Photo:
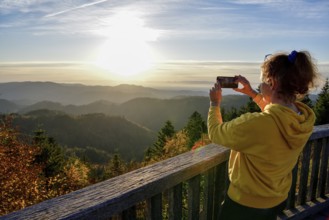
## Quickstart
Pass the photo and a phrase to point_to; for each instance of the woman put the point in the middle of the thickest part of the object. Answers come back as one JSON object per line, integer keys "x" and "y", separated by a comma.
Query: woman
{"x": 265, "y": 146}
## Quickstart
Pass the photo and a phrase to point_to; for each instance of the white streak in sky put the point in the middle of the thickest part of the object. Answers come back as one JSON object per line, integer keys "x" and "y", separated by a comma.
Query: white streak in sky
{"x": 75, "y": 8}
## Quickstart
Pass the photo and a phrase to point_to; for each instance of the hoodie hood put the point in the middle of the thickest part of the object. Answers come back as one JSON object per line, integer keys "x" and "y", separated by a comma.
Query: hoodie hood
{"x": 295, "y": 128}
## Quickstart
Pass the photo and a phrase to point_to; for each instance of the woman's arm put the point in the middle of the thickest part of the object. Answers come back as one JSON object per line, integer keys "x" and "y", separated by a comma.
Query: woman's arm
{"x": 246, "y": 89}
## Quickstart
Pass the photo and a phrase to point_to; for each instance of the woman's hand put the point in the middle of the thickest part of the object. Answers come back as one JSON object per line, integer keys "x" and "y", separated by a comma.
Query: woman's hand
{"x": 246, "y": 89}
{"x": 215, "y": 94}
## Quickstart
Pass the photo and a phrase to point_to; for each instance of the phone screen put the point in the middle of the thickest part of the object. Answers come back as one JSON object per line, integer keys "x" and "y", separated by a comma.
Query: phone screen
{"x": 227, "y": 81}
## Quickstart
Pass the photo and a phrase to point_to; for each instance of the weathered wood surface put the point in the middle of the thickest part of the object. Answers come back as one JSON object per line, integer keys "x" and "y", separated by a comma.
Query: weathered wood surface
{"x": 323, "y": 179}
{"x": 320, "y": 131}
{"x": 304, "y": 173}
{"x": 175, "y": 195}
{"x": 306, "y": 210}
{"x": 193, "y": 198}
{"x": 314, "y": 171}
{"x": 120, "y": 193}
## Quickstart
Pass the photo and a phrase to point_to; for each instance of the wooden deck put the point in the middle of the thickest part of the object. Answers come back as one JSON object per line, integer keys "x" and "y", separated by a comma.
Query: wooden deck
{"x": 322, "y": 215}
{"x": 188, "y": 186}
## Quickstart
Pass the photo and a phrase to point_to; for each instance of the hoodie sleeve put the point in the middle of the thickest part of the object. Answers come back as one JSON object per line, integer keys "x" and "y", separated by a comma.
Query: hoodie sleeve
{"x": 232, "y": 134}
{"x": 215, "y": 124}
{"x": 219, "y": 132}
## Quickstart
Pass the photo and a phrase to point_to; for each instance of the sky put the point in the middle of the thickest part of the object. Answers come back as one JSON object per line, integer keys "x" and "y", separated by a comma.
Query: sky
{"x": 177, "y": 44}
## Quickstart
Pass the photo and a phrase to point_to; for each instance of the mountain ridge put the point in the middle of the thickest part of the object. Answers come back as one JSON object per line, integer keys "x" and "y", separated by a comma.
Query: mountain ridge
{"x": 30, "y": 92}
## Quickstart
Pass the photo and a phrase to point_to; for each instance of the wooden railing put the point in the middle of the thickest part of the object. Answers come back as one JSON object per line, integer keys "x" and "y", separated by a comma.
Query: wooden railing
{"x": 310, "y": 186}
{"x": 189, "y": 186}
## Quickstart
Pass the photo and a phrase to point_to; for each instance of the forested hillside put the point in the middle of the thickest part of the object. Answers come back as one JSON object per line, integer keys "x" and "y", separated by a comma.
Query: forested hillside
{"x": 7, "y": 106}
{"x": 109, "y": 134}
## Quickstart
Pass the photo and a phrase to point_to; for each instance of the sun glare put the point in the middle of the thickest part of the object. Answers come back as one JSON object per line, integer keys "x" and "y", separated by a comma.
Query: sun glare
{"x": 126, "y": 52}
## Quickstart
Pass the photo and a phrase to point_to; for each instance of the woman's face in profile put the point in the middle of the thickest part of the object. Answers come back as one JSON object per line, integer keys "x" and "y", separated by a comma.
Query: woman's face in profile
{"x": 266, "y": 91}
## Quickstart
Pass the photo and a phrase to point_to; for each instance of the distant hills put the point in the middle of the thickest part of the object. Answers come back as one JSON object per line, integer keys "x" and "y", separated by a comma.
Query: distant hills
{"x": 145, "y": 106}
{"x": 149, "y": 112}
{"x": 27, "y": 93}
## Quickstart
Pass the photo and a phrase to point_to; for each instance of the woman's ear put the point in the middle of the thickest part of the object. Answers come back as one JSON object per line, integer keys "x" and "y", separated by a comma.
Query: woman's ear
{"x": 273, "y": 84}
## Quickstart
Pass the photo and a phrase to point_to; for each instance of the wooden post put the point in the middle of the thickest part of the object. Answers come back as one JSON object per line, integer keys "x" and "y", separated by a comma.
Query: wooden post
{"x": 193, "y": 197}
{"x": 303, "y": 179}
{"x": 175, "y": 199}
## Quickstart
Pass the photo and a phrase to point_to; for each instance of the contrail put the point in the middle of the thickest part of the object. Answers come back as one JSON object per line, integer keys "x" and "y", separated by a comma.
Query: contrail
{"x": 71, "y": 9}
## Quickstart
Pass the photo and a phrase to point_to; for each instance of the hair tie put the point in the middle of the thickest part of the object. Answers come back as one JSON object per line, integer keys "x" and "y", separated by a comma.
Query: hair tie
{"x": 292, "y": 56}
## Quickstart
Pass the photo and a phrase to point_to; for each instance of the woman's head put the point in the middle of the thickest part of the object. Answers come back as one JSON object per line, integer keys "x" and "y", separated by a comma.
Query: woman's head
{"x": 293, "y": 74}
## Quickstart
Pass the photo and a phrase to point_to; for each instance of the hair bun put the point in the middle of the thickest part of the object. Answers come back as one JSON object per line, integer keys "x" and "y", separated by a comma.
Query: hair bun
{"x": 292, "y": 56}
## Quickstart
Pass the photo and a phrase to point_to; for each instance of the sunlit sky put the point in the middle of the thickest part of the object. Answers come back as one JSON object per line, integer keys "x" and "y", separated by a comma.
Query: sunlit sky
{"x": 173, "y": 43}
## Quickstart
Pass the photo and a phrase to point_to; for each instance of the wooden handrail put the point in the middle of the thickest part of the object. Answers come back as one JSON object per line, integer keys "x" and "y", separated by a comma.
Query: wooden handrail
{"x": 198, "y": 177}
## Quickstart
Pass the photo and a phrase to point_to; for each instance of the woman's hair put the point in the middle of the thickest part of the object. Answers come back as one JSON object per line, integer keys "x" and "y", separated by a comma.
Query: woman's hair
{"x": 294, "y": 73}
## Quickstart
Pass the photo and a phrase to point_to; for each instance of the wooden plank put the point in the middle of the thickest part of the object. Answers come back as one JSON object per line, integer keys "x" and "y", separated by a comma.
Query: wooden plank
{"x": 129, "y": 214}
{"x": 306, "y": 210}
{"x": 154, "y": 207}
{"x": 193, "y": 198}
{"x": 315, "y": 170}
{"x": 119, "y": 193}
{"x": 208, "y": 205}
{"x": 323, "y": 169}
{"x": 221, "y": 185}
{"x": 175, "y": 202}
{"x": 291, "y": 201}
{"x": 303, "y": 180}
{"x": 327, "y": 178}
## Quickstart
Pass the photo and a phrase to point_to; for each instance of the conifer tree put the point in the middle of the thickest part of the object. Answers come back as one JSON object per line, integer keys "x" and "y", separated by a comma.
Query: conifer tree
{"x": 97, "y": 173}
{"x": 164, "y": 134}
{"x": 229, "y": 115}
{"x": 148, "y": 154}
{"x": 195, "y": 127}
{"x": 115, "y": 167}
{"x": 51, "y": 155}
{"x": 251, "y": 106}
{"x": 321, "y": 107}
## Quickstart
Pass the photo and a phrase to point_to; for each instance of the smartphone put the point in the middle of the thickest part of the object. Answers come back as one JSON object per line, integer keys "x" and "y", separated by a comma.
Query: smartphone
{"x": 227, "y": 81}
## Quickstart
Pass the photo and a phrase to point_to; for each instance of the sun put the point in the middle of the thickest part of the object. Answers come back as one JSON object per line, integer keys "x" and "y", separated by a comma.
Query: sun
{"x": 127, "y": 51}
{"x": 125, "y": 58}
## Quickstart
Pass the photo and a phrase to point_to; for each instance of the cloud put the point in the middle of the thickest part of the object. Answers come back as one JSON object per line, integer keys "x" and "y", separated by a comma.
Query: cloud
{"x": 176, "y": 18}
{"x": 23, "y": 6}
{"x": 293, "y": 8}
{"x": 219, "y": 23}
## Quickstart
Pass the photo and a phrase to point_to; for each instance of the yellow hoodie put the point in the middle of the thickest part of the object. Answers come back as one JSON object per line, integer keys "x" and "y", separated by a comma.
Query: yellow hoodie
{"x": 264, "y": 149}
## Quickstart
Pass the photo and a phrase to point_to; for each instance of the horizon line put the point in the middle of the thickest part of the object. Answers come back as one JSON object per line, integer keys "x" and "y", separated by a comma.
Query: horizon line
{"x": 56, "y": 62}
